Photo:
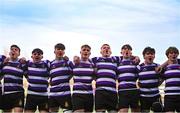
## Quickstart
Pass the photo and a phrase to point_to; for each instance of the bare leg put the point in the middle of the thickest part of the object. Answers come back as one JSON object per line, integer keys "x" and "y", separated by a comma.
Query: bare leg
{"x": 79, "y": 111}
{"x": 123, "y": 110}
{"x": 54, "y": 110}
{"x": 29, "y": 111}
{"x": 18, "y": 110}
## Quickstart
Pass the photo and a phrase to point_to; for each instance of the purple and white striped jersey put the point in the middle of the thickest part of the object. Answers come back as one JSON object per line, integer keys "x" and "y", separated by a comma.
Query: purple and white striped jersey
{"x": 172, "y": 79}
{"x": 2, "y": 57}
{"x": 13, "y": 77}
{"x": 127, "y": 75}
{"x": 83, "y": 74}
{"x": 37, "y": 76}
{"x": 148, "y": 80}
{"x": 106, "y": 73}
{"x": 60, "y": 74}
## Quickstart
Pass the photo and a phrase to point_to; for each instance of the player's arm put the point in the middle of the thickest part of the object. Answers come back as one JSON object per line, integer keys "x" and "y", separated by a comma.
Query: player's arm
{"x": 25, "y": 68}
{"x": 160, "y": 68}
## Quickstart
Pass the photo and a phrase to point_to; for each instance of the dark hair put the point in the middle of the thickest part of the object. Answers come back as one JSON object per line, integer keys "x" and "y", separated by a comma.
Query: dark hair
{"x": 60, "y": 46}
{"x": 148, "y": 49}
{"x": 172, "y": 49}
{"x": 105, "y": 45}
{"x": 15, "y": 47}
{"x": 126, "y": 46}
{"x": 37, "y": 50}
{"x": 86, "y": 46}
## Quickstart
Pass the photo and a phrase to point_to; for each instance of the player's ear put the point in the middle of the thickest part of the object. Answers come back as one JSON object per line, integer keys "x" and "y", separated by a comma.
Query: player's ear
{"x": 110, "y": 52}
{"x": 130, "y": 52}
{"x": 144, "y": 56}
{"x": 31, "y": 56}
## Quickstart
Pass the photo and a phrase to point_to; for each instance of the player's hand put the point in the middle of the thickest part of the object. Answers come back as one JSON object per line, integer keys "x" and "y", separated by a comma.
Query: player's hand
{"x": 158, "y": 69}
{"x": 136, "y": 60}
{"x": 76, "y": 59}
{"x": 6, "y": 60}
{"x": 66, "y": 58}
{"x": 22, "y": 60}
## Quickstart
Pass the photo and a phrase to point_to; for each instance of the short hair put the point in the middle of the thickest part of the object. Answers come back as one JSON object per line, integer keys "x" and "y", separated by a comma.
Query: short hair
{"x": 15, "y": 47}
{"x": 148, "y": 49}
{"x": 172, "y": 49}
{"x": 60, "y": 46}
{"x": 85, "y": 46}
{"x": 37, "y": 50}
{"x": 105, "y": 45}
{"x": 126, "y": 46}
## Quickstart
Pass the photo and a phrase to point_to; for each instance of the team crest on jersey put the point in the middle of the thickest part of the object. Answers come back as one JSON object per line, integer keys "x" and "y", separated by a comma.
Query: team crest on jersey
{"x": 102, "y": 60}
{"x": 53, "y": 66}
{"x": 66, "y": 104}
{"x": 18, "y": 66}
{"x": 144, "y": 69}
{"x": 64, "y": 64}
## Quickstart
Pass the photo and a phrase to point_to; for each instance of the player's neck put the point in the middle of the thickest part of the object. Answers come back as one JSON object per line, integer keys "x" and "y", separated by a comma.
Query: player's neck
{"x": 173, "y": 61}
{"x": 59, "y": 58}
{"x": 14, "y": 59}
{"x": 148, "y": 63}
{"x": 84, "y": 59}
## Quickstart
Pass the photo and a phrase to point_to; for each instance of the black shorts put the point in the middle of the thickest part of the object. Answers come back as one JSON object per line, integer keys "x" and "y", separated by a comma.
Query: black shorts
{"x": 106, "y": 100}
{"x": 1, "y": 102}
{"x": 13, "y": 100}
{"x": 34, "y": 101}
{"x": 129, "y": 98}
{"x": 60, "y": 101}
{"x": 83, "y": 101}
{"x": 146, "y": 102}
{"x": 172, "y": 103}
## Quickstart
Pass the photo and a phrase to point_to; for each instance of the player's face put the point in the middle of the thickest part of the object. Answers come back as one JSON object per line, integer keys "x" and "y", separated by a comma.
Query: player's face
{"x": 59, "y": 53}
{"x": 149, "y": 57}
{"x": 36, "y": 57}
{"x": 85, "y": 53}
{"x": 105, "y": 51}
{"x": 14, "y": 53}
{"x": 126, "y": 53}
{"x": 172, "y": 56}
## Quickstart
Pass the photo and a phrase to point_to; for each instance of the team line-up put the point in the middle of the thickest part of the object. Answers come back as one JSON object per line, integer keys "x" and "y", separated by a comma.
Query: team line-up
{"x": 120, "y": 81}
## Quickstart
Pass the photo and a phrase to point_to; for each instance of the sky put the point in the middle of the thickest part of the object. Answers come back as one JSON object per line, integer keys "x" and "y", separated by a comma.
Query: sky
{"x": 43, "y": 23}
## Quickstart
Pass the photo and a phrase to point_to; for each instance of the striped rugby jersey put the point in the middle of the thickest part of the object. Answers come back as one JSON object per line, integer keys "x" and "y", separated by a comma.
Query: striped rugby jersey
{"x": 2, "y": 57}
{"x": 13, "y": 72}
{"x": 172, "y": 79}
{"x": 148, "y": 80}
{"x": 37, "y": 76}
{"x": 60, "y": 74}
{"x": 127, "y": 75}
{"x": 83, "y": 74}
{"x": 106, "y": 73}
